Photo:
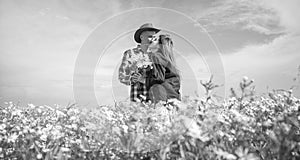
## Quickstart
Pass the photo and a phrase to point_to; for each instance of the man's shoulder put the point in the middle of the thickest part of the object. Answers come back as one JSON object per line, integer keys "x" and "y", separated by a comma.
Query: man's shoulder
{"x": 134, "y": 49}
{"x": 127, "y": 51}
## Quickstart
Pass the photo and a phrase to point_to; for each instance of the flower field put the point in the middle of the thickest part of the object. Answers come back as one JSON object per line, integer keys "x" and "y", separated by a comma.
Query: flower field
{"x": 243, "y": 126}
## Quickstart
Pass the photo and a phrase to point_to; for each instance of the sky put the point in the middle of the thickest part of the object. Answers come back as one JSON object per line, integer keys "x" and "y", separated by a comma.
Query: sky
{"x": 65, "y": 51}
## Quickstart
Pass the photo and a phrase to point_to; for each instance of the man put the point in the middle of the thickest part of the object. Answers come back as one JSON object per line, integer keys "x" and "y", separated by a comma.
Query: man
{"x": 137, "y": 83}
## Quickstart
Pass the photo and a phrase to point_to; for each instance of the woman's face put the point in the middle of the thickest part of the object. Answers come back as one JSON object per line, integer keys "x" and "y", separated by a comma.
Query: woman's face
{"x": 154, "y": 44}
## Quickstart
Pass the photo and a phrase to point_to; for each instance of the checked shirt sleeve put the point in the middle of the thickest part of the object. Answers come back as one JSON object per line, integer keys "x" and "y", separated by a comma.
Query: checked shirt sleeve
{"x": 124, "y": 70}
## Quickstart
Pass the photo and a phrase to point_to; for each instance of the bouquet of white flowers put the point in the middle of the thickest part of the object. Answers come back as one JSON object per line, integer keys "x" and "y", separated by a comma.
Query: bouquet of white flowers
{"x": 139, "y": 62}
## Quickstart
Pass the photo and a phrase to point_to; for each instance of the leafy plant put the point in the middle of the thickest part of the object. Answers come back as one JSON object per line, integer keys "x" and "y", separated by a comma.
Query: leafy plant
{"x": 244, "y": 126}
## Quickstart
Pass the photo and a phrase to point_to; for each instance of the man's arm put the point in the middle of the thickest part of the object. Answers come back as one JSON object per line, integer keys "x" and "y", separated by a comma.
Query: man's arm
{"x": 124, "y": 70}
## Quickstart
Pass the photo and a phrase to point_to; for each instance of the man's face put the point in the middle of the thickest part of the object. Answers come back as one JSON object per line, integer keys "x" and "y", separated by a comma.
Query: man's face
{"x": 146, "y": 37}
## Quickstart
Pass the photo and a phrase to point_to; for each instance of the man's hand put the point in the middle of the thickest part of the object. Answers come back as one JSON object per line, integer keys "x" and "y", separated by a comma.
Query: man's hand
{"x": 137, "y": 77}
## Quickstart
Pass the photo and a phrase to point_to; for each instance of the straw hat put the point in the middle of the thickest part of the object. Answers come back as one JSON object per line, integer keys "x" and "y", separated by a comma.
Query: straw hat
{"x": 144, "y": 27}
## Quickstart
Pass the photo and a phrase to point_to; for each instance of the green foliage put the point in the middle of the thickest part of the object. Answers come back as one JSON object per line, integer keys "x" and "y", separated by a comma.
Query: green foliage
{"x": 241, "y": 127}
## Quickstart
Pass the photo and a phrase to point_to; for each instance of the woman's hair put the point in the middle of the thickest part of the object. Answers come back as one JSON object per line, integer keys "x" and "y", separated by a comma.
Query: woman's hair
{"x": 166, "y": 46}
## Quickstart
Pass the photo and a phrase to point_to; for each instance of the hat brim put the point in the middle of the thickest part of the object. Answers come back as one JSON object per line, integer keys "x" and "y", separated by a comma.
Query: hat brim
{"x": 138, "y": 33}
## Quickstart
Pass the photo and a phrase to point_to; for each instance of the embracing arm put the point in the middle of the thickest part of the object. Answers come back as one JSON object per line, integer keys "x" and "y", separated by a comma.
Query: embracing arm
{"x": 159, "y": 68}
{"x": 124, "y": 70}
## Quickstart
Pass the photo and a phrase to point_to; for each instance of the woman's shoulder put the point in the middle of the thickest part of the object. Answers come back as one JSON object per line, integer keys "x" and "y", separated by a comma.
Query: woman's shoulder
{"x": 158, "y": 57}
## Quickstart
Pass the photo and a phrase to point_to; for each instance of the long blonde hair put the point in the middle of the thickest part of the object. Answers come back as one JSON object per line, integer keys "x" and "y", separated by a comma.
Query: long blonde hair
{"x": 166, "y": 45}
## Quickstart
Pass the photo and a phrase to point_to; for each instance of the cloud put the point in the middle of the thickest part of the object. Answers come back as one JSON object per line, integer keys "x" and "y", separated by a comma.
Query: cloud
{"x": 288, "y": 12}
{"x": 241, "y": 14}
{"x": 39, "y": 44}
{"x": 273, "y": 63}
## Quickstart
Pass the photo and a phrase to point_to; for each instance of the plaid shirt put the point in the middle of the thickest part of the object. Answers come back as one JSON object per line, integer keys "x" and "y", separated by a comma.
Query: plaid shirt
{"x": 137, "y": 90}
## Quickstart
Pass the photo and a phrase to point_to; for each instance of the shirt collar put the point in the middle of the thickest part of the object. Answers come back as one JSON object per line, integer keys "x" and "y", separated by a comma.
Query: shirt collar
{"x": 138, "y": 47}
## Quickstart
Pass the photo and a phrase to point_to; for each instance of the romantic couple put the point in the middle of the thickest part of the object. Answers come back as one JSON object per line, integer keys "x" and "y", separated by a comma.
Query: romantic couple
{"x": 160, "y": 80}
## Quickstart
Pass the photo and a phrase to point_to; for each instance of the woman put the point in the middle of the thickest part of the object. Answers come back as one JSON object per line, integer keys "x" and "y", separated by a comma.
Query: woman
{"x": 163, "y": 79}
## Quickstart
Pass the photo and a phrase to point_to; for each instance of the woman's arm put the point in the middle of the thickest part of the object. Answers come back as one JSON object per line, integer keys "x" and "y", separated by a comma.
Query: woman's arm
{"x": 158, "y": 72}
